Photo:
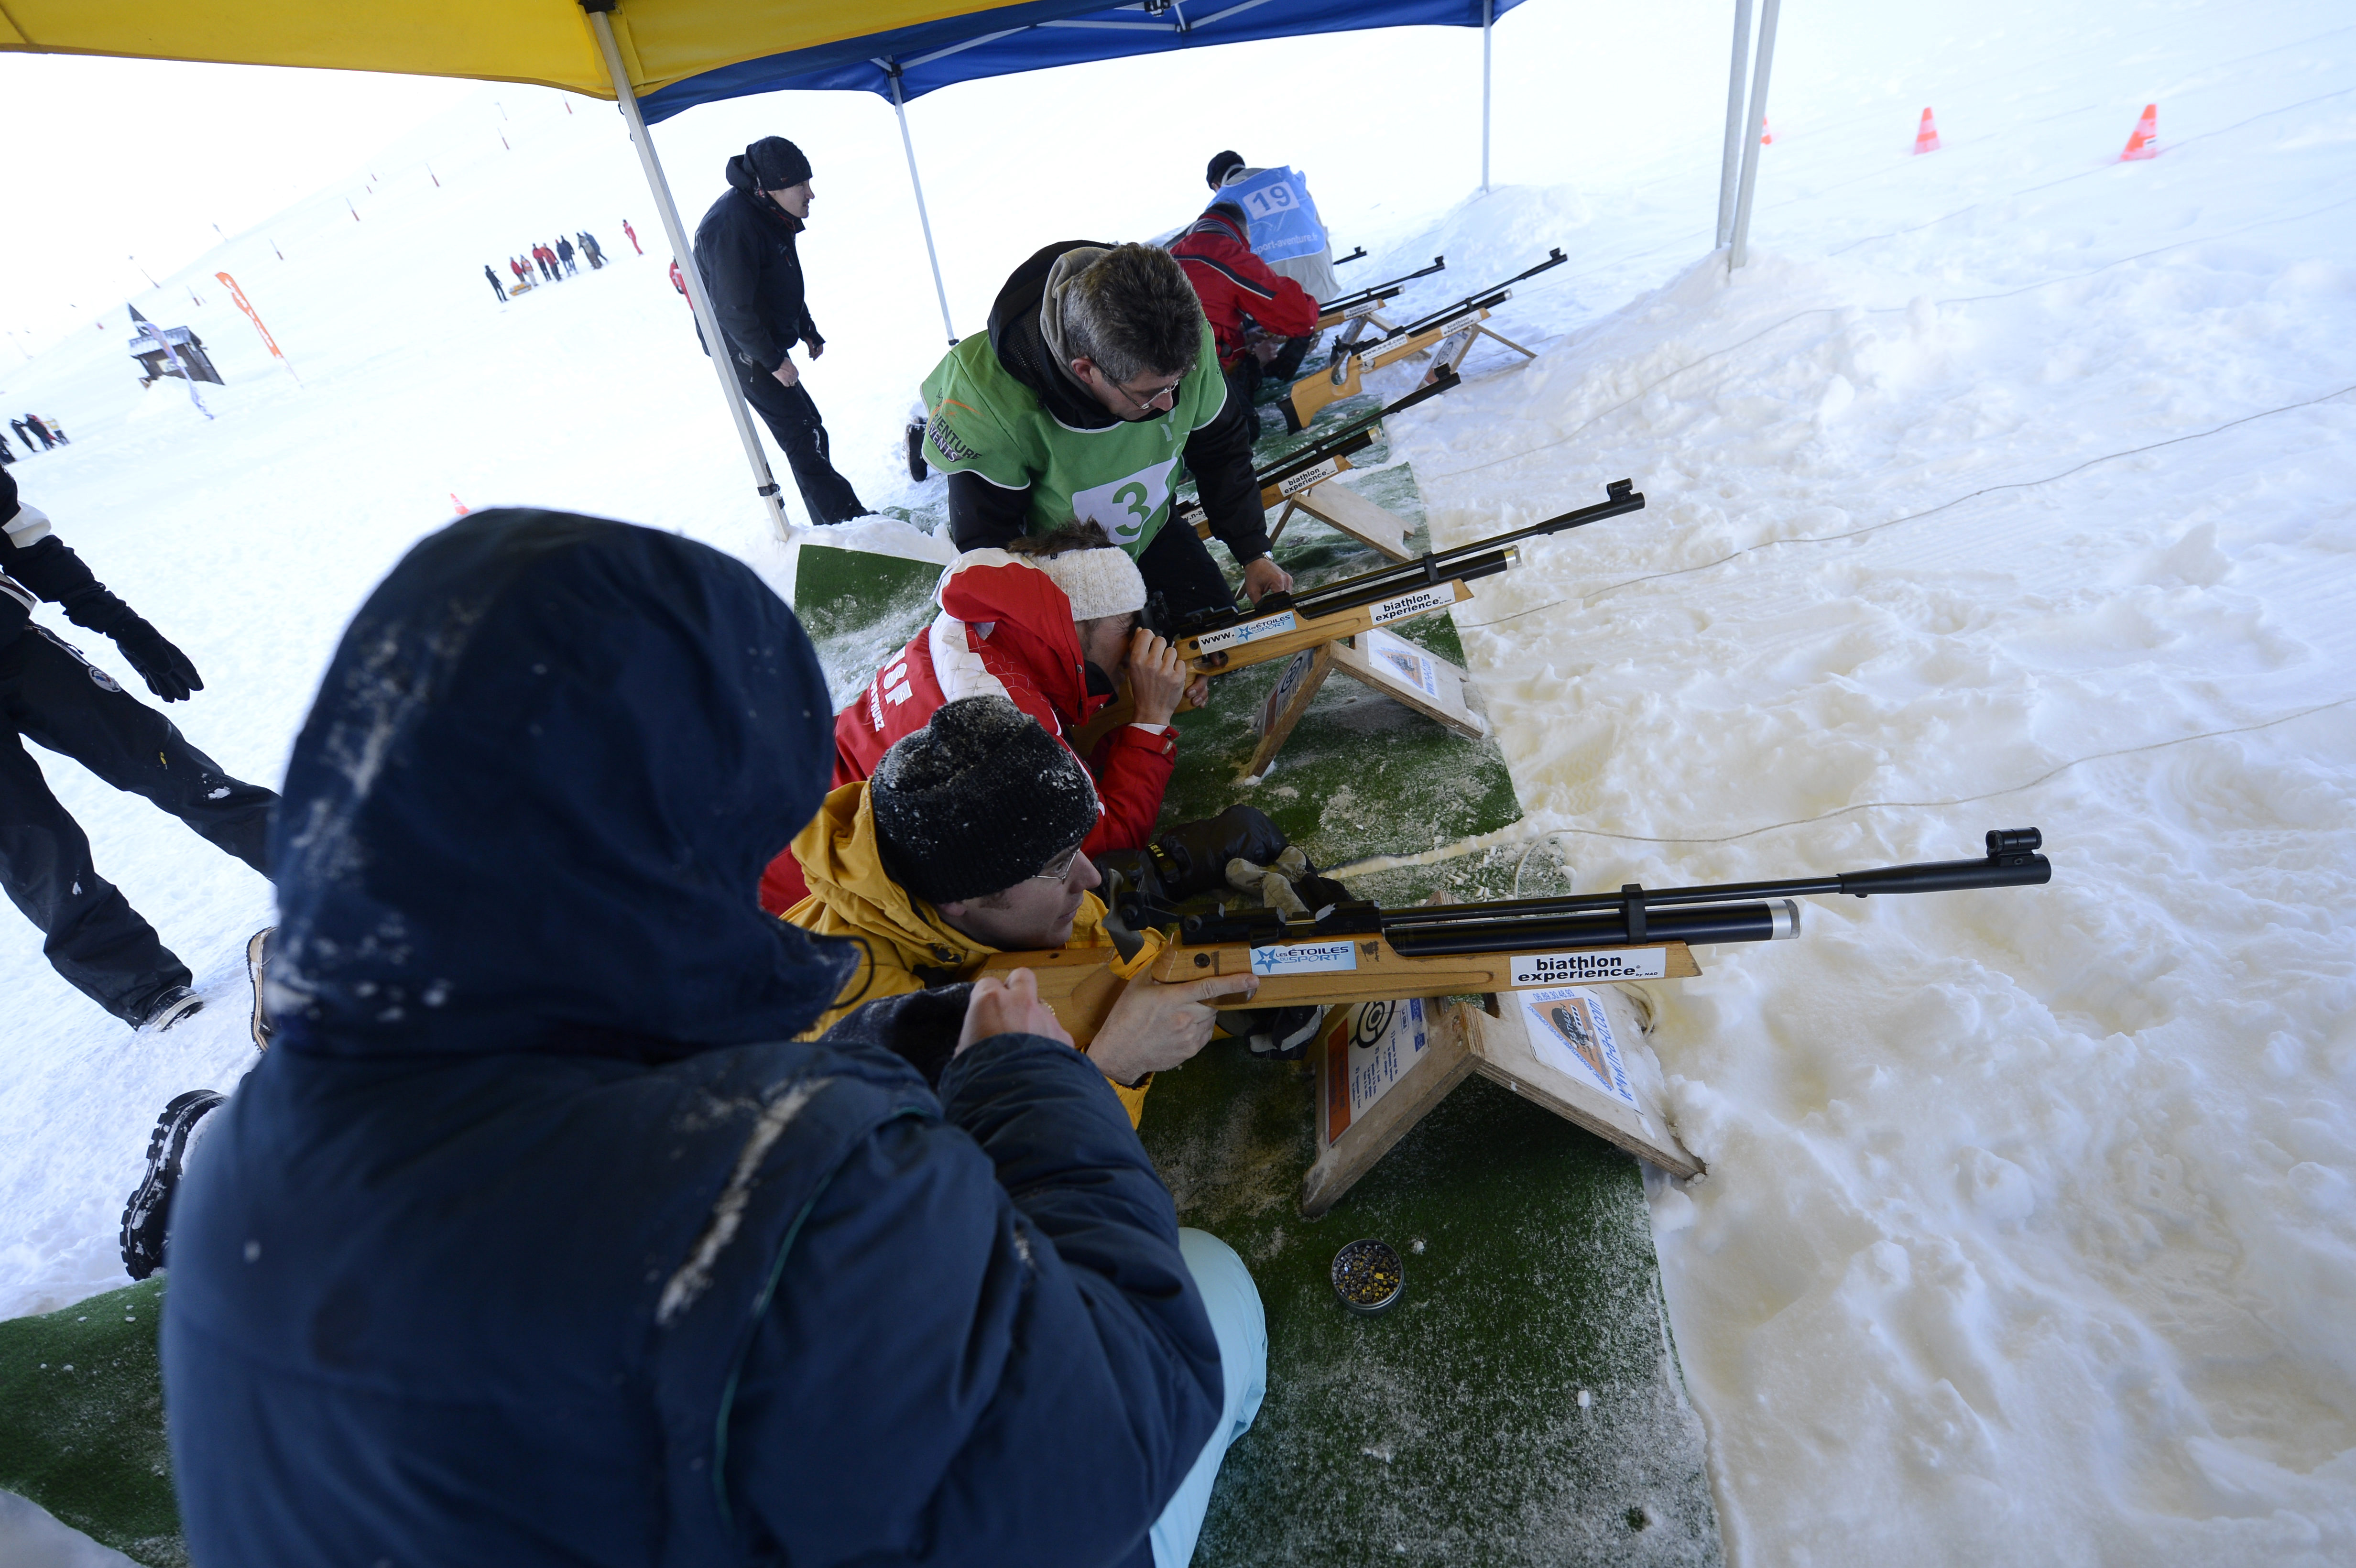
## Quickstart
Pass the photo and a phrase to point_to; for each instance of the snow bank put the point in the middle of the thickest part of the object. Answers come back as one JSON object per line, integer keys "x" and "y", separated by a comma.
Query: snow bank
{"x": 2030, "y": 1234}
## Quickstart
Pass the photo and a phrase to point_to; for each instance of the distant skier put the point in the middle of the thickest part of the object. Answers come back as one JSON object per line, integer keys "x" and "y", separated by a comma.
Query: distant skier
{"x": 50, "y": 693}
{"x": 541, "y": 259}
{"x": 564, "y": 255}
{"x": 56, "y": 431}
{"x": 22, "y": 434}
{"x": 495, "y": 282}
{"x": 522, "y": 273}
{"x": 744, "y": 248}
{"x": 33, "y": 431}
{"x": 680, "y": 283}
{"x": 632, "y": 235}
{"x": 7, "y": 454}
{"x": 589, "y": 248}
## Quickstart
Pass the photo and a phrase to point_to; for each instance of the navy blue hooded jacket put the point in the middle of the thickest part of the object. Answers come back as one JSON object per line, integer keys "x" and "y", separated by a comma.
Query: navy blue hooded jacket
{"x": 534, "y": 1240}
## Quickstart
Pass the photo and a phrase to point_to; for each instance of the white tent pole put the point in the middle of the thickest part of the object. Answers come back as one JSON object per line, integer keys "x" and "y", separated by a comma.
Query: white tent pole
{"x": 765, "y": 483}
{"x": 891, "y": 69}
{"x": 1757, "y": 118}
{"x": 1488, "y": 19}
{"x": 1730, "y": 169}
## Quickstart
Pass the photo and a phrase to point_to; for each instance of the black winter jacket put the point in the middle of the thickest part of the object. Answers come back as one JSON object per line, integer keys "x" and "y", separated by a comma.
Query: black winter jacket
{"x": 1219, "y": 455}
{"x": 34, "y": 564}
{"x": 535, "y": 1240}
{"x": 744, "y": 247}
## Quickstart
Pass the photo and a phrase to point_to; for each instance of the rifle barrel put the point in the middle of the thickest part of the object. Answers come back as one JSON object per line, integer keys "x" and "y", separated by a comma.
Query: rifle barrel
{"x": 2010, "y": 862}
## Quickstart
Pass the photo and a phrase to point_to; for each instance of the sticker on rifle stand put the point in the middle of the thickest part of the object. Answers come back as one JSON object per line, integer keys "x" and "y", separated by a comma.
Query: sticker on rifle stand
{"x": 1403, "y": 662}
{"x": 1287, "y": 686}
{"x": 1569, "y": 1029}
{"x": 1421, "y": 601}
{"x": 1577, "y": 968}
{"x": 1249, "y": 631}
{"x": 1304, "y": 957}
{"x": 1307, "y": 476}
{"x": 1369, "y": 1048}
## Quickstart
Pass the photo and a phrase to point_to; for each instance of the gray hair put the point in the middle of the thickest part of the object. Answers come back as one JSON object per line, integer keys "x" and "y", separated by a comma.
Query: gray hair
{"x": 1134, "y": 313}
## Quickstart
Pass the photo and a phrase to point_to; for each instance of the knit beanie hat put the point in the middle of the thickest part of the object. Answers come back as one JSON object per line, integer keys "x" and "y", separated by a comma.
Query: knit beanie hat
{"x": 977, "y": 800}
{"x": 1219, "y": 166}
{"x": 1097, "y": 582}
{"x": 770, "y": 163}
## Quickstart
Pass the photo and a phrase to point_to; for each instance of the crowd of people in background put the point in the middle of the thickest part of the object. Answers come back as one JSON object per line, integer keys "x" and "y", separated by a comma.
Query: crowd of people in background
{"x": 551, "y": 263}
{"x": 35, "y": 433}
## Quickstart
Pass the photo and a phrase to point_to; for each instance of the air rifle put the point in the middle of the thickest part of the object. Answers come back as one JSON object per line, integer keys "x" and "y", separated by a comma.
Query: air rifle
{"x": 1357, "y": 953}
{"x": 1341, "y": 308}
{"x": 1351, "y": 357}
{"x": 1222, "y": 641}
{"x": 1289, "y": 475}
{"x": 1358, "y": 255}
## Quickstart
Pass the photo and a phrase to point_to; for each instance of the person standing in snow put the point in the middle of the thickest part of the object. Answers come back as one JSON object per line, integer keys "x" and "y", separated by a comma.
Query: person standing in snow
{"x": 494, "y": 277}
{"x": 7, "y": 452}
{"x": 564, "y": 255}
{"x": 1314, "y": 273}
{"x": 1099, "y": 375}
{"x": 541, "y": 258}
{"x": 744, "y": 248}
{"x": 632, "y": 236}
{"x": 22, "y": 434}
{"x": 49, "y": 427}
{"x": 33, "y": 431}
{"x": 522, "y": 275}
{"x": 537, "y": 1231}
{"x": 589, "y": 248}
{"x": 50, "y": 695}
{"x": 1256, "y": 314}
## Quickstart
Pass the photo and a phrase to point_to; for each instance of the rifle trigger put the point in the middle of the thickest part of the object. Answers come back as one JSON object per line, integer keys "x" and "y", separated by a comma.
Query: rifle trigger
{"x": 1632, "y": 897}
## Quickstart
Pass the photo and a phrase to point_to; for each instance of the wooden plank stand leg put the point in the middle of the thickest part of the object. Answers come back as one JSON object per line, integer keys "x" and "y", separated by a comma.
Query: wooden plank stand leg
{"x": 1296, "y": 688}
{"x": 1339, "y": 507}
{"x": 1416, "y": 676}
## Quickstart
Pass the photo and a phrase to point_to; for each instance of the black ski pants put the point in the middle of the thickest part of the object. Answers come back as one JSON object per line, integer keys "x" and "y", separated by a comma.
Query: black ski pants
{"x": 49, "y": 696}
{"x": 794, "y": 419}
{"x": 498, "y": 291}
{"x": 1178, "y": 566}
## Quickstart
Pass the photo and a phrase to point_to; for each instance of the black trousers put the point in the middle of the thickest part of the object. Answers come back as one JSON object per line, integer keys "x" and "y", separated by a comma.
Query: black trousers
{"x": 498, "y": 291}
{"x": 1177, "y": 566}
{"x": 49, "y": 696}
{"x": 794, "y": 419}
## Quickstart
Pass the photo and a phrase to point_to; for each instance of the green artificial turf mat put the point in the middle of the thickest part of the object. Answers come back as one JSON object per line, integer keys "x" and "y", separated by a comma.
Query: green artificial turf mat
{"x": 859, "y": 608}
{"x": 81, "y": 1421}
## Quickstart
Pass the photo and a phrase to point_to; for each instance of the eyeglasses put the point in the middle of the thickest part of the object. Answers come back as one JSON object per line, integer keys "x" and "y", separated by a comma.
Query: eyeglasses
{"x": 1145, "y": 404}
{"x": 1059, "y": 868}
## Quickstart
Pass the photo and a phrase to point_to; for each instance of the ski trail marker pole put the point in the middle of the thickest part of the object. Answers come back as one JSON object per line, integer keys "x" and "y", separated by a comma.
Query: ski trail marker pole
{"x": 267, "y": 341}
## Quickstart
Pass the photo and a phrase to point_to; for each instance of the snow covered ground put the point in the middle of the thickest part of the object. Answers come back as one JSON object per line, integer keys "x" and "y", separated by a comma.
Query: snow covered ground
{"x": 2009, "y": 486}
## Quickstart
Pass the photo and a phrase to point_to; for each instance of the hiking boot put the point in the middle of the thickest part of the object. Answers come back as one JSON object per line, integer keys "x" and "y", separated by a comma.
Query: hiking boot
{"x": 148, "y": 1213}
{"x": 257, "y": 960}
{"x": 168, "y": 1006}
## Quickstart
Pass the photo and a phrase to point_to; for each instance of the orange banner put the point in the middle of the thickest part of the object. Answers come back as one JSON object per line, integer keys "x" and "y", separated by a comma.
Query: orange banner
{"x": 238, "y": 296}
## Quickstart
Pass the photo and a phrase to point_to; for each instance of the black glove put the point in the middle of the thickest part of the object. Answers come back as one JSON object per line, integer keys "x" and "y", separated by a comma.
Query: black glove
{"x": 1192, "y": 857}
{"x": 164, "y": 669}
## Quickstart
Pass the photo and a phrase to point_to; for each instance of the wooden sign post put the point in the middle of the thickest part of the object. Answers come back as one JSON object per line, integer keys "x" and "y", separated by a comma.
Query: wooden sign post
{"x": 1382, "y": 1066}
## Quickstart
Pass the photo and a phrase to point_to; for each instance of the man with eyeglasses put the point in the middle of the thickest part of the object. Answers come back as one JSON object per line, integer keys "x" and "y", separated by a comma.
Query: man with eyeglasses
{"x": 1098, "y": 377}
{"x": 965, "y": 844}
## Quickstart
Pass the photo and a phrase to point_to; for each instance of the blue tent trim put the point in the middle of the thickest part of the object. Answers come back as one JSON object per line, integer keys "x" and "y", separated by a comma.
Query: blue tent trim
{"x": 1044, "y": 33}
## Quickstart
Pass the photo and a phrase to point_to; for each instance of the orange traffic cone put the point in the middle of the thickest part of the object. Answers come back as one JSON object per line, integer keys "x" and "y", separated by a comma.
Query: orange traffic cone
{"x": 1766, "y": 133}
{"x": 457, "y": 503}
{"x": 2146, "y": 131}
{"x": 1926, "y": 140}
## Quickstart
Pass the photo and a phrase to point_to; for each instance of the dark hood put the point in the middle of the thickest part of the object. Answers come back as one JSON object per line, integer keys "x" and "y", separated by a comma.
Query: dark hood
{"x": 532, "y": 801}
{"x": 1015, "y": 338}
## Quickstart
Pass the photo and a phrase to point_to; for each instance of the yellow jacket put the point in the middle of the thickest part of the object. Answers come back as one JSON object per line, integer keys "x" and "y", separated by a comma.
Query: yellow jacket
{"x": 907, "y": 945}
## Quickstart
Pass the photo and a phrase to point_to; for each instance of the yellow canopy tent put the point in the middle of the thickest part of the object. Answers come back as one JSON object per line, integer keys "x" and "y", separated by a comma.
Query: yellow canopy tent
{"x": 597, "y": 47}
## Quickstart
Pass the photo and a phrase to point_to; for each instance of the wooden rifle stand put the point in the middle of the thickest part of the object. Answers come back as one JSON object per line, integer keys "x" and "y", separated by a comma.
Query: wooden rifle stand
{"x": 1347, "y": 366}
{"x": 1391, "y": 664}
{"x": 1383, "y": 1066}
{"x": 1338, "y": 506}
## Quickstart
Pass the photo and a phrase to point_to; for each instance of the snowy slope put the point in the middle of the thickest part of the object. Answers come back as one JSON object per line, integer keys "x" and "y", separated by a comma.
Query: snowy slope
{"x": 2009, "y": 486}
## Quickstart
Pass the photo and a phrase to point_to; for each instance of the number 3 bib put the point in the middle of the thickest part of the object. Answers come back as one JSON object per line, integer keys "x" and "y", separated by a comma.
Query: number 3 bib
{"x": 1124, "y": 507}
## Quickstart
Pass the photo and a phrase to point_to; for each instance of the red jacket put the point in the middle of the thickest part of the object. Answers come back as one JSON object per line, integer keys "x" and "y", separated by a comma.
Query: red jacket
{"x": 1004, "y": 630}
{"x": 1236, "y": 287}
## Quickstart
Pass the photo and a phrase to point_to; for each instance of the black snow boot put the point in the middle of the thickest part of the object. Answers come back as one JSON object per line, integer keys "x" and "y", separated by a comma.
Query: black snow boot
{"x": 166, "y": 1008}
{"x": 149, "y": 1212}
